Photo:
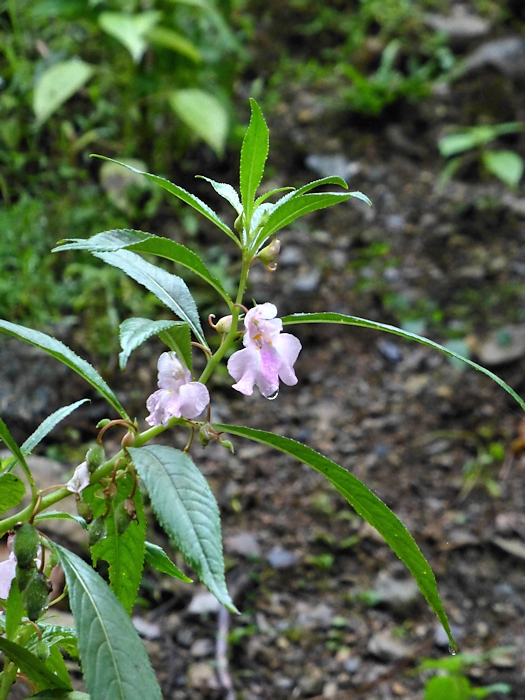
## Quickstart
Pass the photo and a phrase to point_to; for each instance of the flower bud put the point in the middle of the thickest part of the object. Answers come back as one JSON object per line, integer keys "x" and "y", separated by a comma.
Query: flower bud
{"x": 224, "y": 324}
{"x": 25, "y": 545}
{"x": 129, "y": 439}
{"x": 207, "y": 434}
{"x": 95, "y": 457}
{"x": 228, "y": 445}
{"x": 269, "y": 255}
{"x": 41, "y": 650}
{"x": 23, "y": 576}
{"x": 238, "y": 224}
{"x": 102, "y": 423}
{"x": 124, "y": 514}
{"x": 97, "y": 531}
{"x": 85, "y": 511}
{"x": 35, "y": 596}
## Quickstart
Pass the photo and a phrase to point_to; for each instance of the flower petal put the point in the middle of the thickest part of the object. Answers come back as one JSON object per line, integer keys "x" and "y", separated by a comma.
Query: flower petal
{"x": 194, "y": 397}
{"x": 80, "y": 479}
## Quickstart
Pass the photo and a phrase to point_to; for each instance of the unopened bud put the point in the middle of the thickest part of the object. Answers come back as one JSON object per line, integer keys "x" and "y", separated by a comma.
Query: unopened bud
{"x": 97, "y": 531}
{"x": 223, "y": 325}
{"x": 95, "y": 457}
{"x": 41, "y": 650}
{"x": 85, "y": 511}
{"x": 35, "y": 596}
{"x": 228, "y": 445}
{"x": 23, "y": 576}
{"x": 122, "y": 519}
{"x": 102, "y": 423}
{"x": 129, "y": 439}
{"x": 25, "y": 545}
{"x": 238, "y": 224}
{"x": 207, "y": 434}
{"x": 269, "y": 255}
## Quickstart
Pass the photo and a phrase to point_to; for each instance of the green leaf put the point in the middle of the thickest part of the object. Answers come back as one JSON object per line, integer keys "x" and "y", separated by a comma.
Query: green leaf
{"x": 36, "y": 670}
{"x": 291, "y": 207}
{"x": 506, "y": 165}
{"x": 123, "y": 552}
{"x": 187, "y": 510}
{"x": 60, "y": 695}
{"x": 12, "y": 490}
{"x": 169, "y": 39}
{"x": 14, "y": 611}
{"x": 134, "y": 331}
{"x": 182, "y": 194}
{"x": 141, "y": 242}
{"x": 226, "y": 191}
{"x": 330, "y": 180}
{"x": 57, "y": 84}
{"x": 169, "y": 289}
{"x": 62, "y": 353}
{"x": 47, "y": 426}
{"x": 114, "y": 661}
{"x": 54, "y": 662}
{"x": 449, "y": 687}
{"x": 60, "y": 515}
{"x": 260, "y": 200}
{"x": 204, "y": 114}
{"x": 59, "y": 635}
{"x": 10, "y": 443}
{"x": 466, "y": 140}
{"x": 157, "y": 557}
{"x": 366, "y": 504}
{"x": 130, "y": 30}
{"x": 254, "y": 153}
{"x": 330, "y": 317}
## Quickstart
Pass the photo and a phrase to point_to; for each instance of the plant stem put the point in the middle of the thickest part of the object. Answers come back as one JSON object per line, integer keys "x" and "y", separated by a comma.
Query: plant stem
{"x": 7, "y": 678}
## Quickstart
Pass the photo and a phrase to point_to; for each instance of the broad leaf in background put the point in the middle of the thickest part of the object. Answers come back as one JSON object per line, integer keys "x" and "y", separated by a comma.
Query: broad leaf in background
{"x": 123, "y": 552}
{"x": 35, "y": 670}
{"x": 12, "y": 491}
{"x": 47, "y": 426}
{"x": 157, "y": 557}
{"x": 187, "y": 510}
{"x": 114, "y": 661}
{"x": 254, "y": 153}
{"x": 57, "y": 84}
{"x": 134, "y": 331}
{"x": 62, "y": 353}
{"x": 506, "y": 165}
{"x": 170, "y": 39}
{"x": 130, "y": 30}
{"x": 331, "y": 317}
{"x": 366, "y": 504}
{"x": 182, "y": 194}
{"x": 204, "y": 114}
{"x": 142, "y": 242}
{"x": 171, "y": 290}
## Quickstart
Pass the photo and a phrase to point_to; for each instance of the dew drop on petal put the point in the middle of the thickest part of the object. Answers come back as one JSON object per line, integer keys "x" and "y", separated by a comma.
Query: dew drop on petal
{"x": 274, "y": 395}
{"x": 452, "y": 651}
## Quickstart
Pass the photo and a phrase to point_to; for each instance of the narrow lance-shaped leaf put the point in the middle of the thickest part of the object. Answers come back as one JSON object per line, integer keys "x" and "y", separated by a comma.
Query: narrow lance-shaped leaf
{"x": 187, "y": 510}
{"x": 254, "y": 153}
{"x": 331, "y": 317}
{"x": 62, "y": 353}
{"x": 226, "y": 191}
{"x": 168, "y": 288}
{"x": 366, "y": 504}
{"x": 184, "y": 195}
{"x": 141, "y": 242}
{"x": 135, "y": 331}
{"x": 47, "y": 426}
{"x": 114, "y": 661}
{"x": 157, "y": 557}
{"x": 36, "y": 670}
{"x": 11, "y": 444}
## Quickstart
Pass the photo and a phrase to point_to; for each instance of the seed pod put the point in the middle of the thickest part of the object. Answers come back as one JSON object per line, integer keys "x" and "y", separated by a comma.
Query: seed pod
{"x": 23, "y": 576}
{"x": 85, "y": 511}
{"x": 129, "y": 439}
{"x": 122, "y": 518}
{"x": 97, "y": 531}
{"x": 269, "y": 255}
{"x": 95, "y": 457}
{"x": 35, "y": 596}
{"x": 41, "y": 650}
{"x": 25, "y": 545}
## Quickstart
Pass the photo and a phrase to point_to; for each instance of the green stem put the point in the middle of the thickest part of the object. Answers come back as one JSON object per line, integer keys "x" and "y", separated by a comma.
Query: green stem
{"x": 7, "y": 678}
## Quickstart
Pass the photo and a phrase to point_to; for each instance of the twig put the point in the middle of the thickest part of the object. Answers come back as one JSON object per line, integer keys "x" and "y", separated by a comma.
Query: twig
{"x": 221, "y": 653}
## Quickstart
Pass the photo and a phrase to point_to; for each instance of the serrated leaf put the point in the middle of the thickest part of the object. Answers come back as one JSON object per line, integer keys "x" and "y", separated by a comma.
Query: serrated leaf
{"x": 157, "y": 557}
{"x": 60, "y": 515}
{"x": 130, "y": 30}
{"x": 178, "y": 339}
{"x": 182, "y": 194}
{"x": 330, "y": 180}
{"x": 14, "y": 611}
{"x": 187, "y": 510}
{"x": 135, "y": 331}
{"x": 254, "y": 153}
{"x": 266, "y": 195}
{"x": 141, "y": 242}
{"x": 330, "y": 317}
{"x": 169, "y": 39}
{"x": 506, "y": 165}
{"x": 290, "y": 208}
{"x": 12, "y": 490}
{"x": 204, "y": 114}
{"x": 62, "y": 353}
{"x": 54, "y": 662}
{"x": 11, "y": 444}
{"x": 169, "y": 289}
{"x": 60, "y": 695}
{"x": 123, "y": 552}
{"x": 114, "y": 661}
{"x": 226, "y": 191}
{"x": 366, "y": 504}
{"x": 57, "y": 84}
{"x": 47, "y": 426}
{"x": 60, "y": 635}
{"x": 36, "y": 670}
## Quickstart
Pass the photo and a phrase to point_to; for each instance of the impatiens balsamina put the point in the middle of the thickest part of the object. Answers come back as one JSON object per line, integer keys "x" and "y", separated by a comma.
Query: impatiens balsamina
{"x": 177, "y": 396}
{"x": 268, "y": 354}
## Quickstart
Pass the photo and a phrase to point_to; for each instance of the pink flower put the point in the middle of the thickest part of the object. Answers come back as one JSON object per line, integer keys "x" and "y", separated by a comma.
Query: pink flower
{"x": 177, "y": 396}
{"x": 268, "y": 355}
{"x": 7, "y": 571}
{"x": 80, "y": 479}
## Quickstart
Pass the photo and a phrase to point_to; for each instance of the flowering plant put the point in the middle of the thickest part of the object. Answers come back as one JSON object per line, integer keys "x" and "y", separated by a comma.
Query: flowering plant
{"x": 109, "y": 502}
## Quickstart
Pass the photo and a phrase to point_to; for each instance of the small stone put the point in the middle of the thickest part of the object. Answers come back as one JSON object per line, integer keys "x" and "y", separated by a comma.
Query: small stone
{"x": 502, "y": 346}
{"x": 203, "y": 603}
{"x": 387, "y": 648}
{"x": 281, "y": 558}
{"x": 503, "y": 660}
{"x": 147, "y": 630}
{"x": 201, "y": 648}
{"x": 328, "y": 165}
{"x": 441, "y": 638}
{"x": 399, "y": 594}
{"x": 244, "y": 543}
{"x": 461, "y": 25}
{"x": 201, "y": 676}
{"x": 310, "y": 616}
{"x": 312, "y": 681}
{"x": 506, "y": 55}
{"x": 390, "y": 351}
{"x": 308, "y": 281}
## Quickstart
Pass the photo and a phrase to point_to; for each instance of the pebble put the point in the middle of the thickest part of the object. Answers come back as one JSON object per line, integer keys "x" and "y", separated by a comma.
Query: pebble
{"x": 201, "y": 676}
{"x": 506, "y": 55}
{"x": 244, "y": 544}
{"x": 390, "y": 351}
{"x": 311, "y": 616}
{"x": 461, "y": 25}
{"x": 328, "y": 165}
{"x": 308, "y": 281}
{"x": 203, "y": 603}
{"x": 281, "y": 558}
{"x": 385, "y": 647}
{"x": 399, "y": 594}
{"x": 507, "y": 344}
{"x": 147, "y": 630}
{"x": 440, "y": 636}
{"x": 202, "y": 647}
